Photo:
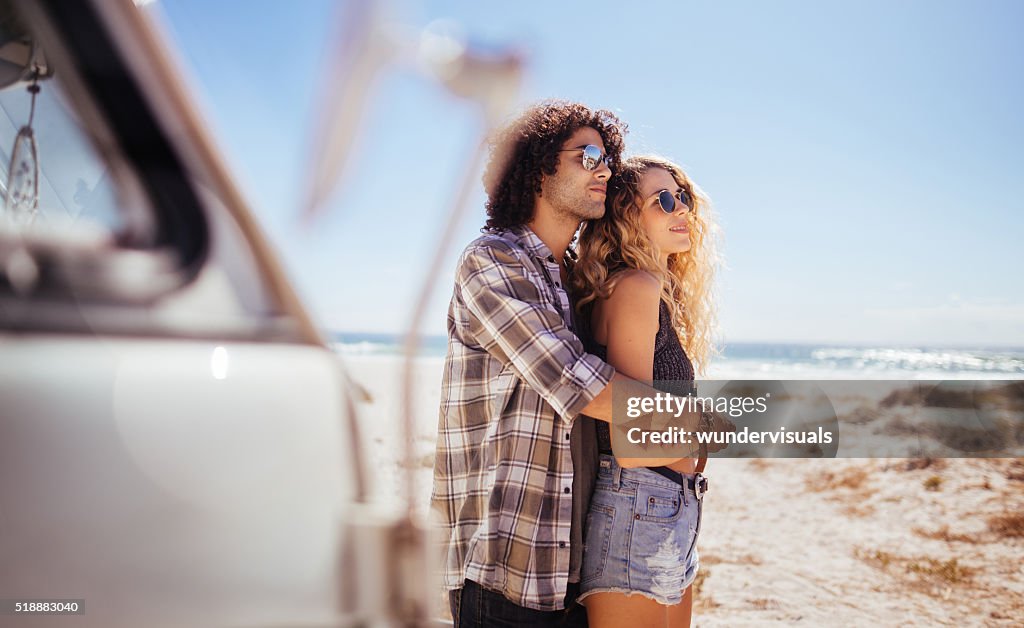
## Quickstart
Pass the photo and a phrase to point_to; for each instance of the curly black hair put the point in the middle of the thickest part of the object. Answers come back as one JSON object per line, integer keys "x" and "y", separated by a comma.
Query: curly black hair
{"x": 527, "y": 148}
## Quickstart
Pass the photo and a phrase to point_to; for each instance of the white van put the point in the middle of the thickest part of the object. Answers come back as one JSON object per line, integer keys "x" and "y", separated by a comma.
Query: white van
{"x": 177, "y": 442}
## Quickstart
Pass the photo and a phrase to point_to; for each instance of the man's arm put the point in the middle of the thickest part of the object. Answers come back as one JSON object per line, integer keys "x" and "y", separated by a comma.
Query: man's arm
{"x": 600, "y": 407}
{"x": 512, "y": 320}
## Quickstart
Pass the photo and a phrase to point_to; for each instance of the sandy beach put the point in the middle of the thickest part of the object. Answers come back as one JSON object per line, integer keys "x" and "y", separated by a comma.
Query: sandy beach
{"x": 888, "y": 541}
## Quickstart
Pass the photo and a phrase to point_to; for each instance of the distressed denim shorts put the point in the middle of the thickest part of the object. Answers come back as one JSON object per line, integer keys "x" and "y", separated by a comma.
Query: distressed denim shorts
{"x": 641, "y": 534}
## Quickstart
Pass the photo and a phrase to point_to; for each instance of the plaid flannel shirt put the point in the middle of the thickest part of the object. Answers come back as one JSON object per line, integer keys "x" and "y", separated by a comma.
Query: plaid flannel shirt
{"x": 515, "y": 379}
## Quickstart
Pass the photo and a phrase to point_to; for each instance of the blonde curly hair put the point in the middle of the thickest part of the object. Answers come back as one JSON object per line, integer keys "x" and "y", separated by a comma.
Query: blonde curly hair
{"x": 617, "y": 241}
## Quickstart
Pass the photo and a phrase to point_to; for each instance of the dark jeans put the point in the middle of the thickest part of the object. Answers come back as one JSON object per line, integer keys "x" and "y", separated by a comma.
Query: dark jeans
{"x": 476, "y": 607}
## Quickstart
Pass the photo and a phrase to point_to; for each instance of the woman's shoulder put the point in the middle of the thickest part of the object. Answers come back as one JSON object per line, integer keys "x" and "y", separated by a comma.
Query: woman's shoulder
{"x": 634, "y": 297}
{"x": 634, "y": 284}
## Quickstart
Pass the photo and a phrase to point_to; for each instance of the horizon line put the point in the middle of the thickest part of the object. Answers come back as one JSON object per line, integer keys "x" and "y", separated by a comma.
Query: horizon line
{"x": 803, "y": 343}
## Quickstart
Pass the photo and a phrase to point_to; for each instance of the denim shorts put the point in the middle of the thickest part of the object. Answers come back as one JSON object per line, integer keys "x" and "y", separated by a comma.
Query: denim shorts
{"x": 641, "y": 534}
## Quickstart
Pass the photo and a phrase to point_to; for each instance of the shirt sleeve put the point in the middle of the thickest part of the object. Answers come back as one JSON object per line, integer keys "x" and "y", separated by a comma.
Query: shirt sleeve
{"x": 514, "y": 321}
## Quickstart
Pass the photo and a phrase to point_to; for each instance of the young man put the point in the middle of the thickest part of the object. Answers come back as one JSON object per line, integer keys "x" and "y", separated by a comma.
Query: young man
{"x": 516, "y": 377}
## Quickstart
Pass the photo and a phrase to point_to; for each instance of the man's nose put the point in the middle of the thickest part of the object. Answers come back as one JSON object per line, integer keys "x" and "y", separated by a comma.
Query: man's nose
{"x": 603, "y": 172}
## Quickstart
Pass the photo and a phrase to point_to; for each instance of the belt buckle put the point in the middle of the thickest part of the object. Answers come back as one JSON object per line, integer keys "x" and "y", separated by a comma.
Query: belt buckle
{"x": 700, "y": 485}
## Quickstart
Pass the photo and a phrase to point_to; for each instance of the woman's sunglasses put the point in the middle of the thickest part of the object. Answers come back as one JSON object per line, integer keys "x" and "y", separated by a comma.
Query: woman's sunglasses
{"x": 592, "y": 156}
{"x": 667, "y": 200}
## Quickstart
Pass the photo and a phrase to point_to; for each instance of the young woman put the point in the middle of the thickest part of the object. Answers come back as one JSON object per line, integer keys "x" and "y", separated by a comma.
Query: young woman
{"x": 643, "y": 278}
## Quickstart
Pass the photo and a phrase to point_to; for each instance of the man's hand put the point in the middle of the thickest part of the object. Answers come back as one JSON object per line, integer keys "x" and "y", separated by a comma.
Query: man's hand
{"x": 714, "y": 423}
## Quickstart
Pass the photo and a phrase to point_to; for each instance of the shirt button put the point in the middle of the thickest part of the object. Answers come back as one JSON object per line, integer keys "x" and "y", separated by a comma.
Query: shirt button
{"x": 568, "y": 490}
{"x": 567, "y": 436}
{"x": 551, "y": 258}
{"x": 561, "y": 544}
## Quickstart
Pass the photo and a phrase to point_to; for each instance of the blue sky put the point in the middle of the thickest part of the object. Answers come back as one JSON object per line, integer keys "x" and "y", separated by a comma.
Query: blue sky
{"x": 864, "y": 158}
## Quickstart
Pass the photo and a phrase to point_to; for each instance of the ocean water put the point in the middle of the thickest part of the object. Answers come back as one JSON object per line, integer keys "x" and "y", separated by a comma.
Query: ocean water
{"x": 748, "y": 360}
